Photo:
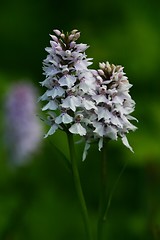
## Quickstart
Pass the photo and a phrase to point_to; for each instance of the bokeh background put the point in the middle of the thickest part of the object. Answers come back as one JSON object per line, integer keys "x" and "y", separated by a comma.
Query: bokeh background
{"x": 37, "y": 200}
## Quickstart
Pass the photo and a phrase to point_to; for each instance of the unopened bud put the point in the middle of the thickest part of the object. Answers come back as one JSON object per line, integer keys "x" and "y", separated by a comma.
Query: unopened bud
{"x": 100, "y": 71}
{"x": 57, "y": 32}
{"x": 62, "y": 35}
{"x": 54, "y": 38}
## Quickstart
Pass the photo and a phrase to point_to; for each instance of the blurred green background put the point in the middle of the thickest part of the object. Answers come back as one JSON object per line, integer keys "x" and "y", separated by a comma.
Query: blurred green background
{"x": 37, "y": 201}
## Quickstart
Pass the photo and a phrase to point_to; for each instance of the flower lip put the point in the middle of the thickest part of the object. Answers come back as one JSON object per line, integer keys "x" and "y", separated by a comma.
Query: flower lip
{"x": 103, "y": 90}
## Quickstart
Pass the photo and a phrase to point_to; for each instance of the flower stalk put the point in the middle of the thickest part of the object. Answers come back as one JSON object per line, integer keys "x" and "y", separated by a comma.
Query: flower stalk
{"x": 103, "y": 192}
{"x": 78, "y": 187}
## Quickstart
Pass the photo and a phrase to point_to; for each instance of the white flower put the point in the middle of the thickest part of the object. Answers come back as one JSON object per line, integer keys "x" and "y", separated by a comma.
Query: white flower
{"x": 88, "y": 104}
{"x": 55, "y": 92}
{"x": 111, "y": 132}
{"x": 87, "y": 82}
{"x": 71, "y": 102}
{"x": 104, "y": 113}
{"x": 100, "y": 99}
{"x": 51, "y": 105}
{"x": 77, "y": 128}
{"x": 50, "y": 72}
{"x": 99, "y": 128}
{"x": 81, "y": 65}
{"x": 67, "y": 80}
{"x": 64, "y": 118}
{"x": 52, "y": 130}
{"x": 81, "y": 47}
{"x": 117, "y": 121}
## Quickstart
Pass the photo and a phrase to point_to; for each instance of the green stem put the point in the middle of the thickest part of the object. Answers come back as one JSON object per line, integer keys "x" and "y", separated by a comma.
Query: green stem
{"x": 113, "y": 190}
{"x": 103, "y": 188}
{"x": 78, "y": 186}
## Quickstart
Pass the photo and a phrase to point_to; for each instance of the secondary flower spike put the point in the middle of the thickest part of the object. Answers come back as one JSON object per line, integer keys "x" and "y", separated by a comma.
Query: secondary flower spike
{"x": 111, "y": 119}
{"x": 24, "y": 131}
{"x": 69, "y": 83}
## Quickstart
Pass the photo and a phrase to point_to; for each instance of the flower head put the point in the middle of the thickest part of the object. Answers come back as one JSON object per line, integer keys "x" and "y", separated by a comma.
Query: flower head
{"x": 68, "y": 82}
{"x": 114, "y": 105}
{"x": 95, "y": 104}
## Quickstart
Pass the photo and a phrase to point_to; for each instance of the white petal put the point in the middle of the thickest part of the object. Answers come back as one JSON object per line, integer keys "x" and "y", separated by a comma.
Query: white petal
{"x": 100, "y": 98}
{"x": 132, "y": 118}
{"x": 77, "y": 128}
{"x": 66, "y": 118}
{"x": 87, "y": 82}
{"x": 51, "y": 130}
{"x": 127, "y": 124}
{"x": 44, "y": 97}
{"x": 81, "y": 65}
{"x": 81, "y": 47}
{"x": 87, "y": 88}
{"x": 116, "y": 121}
{"x": 124, "y": 87}
{"x": 71, "y": 102}
{"x": 118, "y": 100}
{"x": 63, "y": 117}
{"x": 99, "y": 129}
{"x": 58, "y": 119}
{"x": 67, "y": 80}
{"x": 126, "y": 143}
{"x": 56, "y": 91}
{"x": 52, "y": 105}
{"x": 111, "y": 132}
{"x": 50, "y": 71}
{"x": 104, "y": 113}
{"x": 88, "y": 104}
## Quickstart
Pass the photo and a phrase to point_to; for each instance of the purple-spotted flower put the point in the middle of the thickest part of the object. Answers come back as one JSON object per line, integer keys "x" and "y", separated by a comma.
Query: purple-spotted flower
{"x": 68, "y": 82}
{"x": 111, "y": 118}
{"x": 23, "y": 129}
{"x": 94, "y": 104}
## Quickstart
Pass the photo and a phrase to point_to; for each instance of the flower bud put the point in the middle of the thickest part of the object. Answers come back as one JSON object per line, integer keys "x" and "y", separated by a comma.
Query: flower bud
{"x": 57, "y": 32}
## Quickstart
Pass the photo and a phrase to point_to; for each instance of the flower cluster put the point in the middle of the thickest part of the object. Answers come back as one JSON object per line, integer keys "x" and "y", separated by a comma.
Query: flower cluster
{"x": 24, "y": 130}
{"x": 92, "y": 103}
{"x": 69, "y": 82}
{"x": 113, "y": 104}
